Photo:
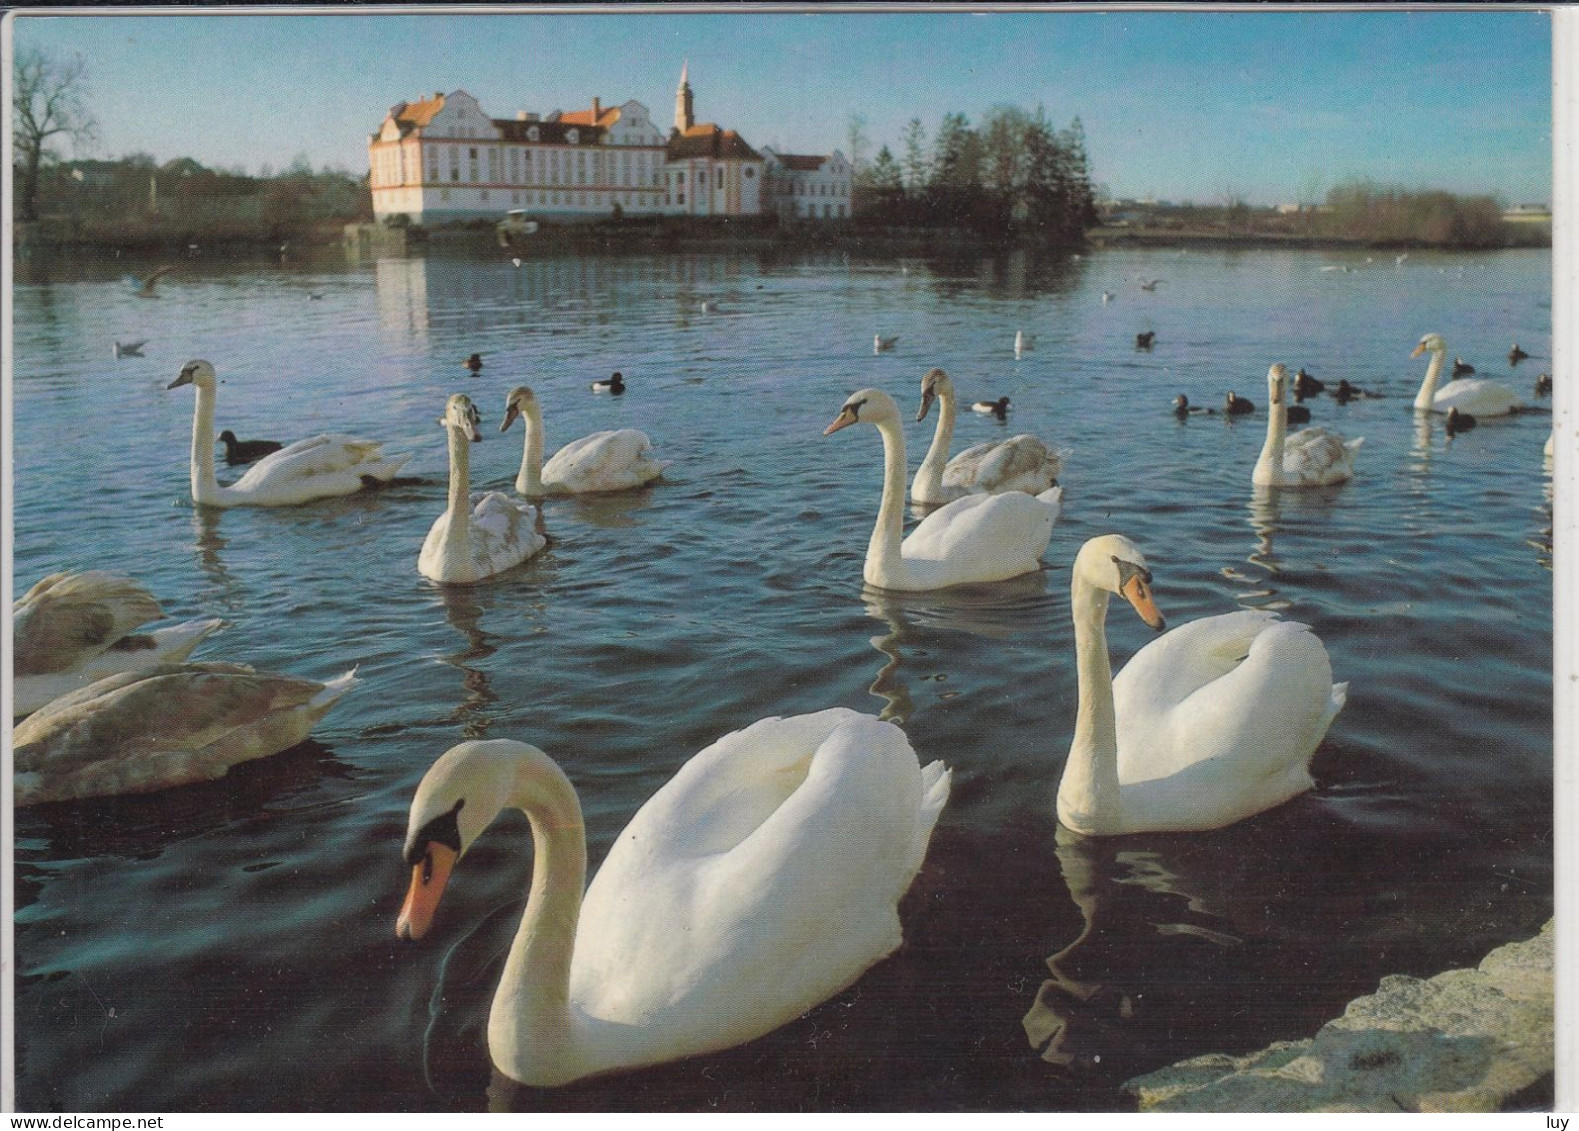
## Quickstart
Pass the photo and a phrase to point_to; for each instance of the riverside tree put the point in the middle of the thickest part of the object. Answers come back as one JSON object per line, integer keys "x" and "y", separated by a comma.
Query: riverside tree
{"x": 48, "y": 104}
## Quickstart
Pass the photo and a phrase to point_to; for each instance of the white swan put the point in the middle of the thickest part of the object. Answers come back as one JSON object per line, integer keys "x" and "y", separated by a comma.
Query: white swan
{"x": 74, "y": 628}
{"x": 320, "y": 467}
{"x": 165, "y": 726}
{"x": 1212, "y": 723}
{"x": 476, "y": 536}
{"x": 975, "y": 538}
{"x": 1020, "y": 463}
{"x": 1476, "y": 396}
{"x": 1311, "y": 457}
{"x": 603, "y": 461}
{"x": 763, "y": 878}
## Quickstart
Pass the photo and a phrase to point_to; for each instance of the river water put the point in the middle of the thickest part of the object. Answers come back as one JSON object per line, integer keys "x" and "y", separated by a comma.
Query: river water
{"x": 231, "y": 946}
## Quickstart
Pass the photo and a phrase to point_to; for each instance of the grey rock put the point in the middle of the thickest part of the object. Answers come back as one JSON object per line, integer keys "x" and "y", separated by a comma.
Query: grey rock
{"x": 1464, "y": 1040}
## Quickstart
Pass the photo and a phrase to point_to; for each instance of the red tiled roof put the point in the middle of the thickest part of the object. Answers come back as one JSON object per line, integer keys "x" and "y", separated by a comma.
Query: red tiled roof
{"x": 417, "y": 113}
{"x": 707, "y": 140}
{"x": 604, "y": 118}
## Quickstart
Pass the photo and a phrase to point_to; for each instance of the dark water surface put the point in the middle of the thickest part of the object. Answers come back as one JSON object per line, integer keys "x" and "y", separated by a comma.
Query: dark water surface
{"x": 232, "y": 946}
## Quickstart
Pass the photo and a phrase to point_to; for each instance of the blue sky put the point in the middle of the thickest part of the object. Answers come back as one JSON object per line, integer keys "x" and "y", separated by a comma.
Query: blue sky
{"x": 1273, "y": 106}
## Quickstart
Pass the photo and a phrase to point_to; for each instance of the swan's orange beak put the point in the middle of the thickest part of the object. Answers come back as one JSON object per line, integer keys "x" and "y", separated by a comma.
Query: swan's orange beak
{"x": 428, "y": 878}
{"x": 1419, "y": 349}
{"x": 1138, "y": 593}
{"x": 847, "y": 416}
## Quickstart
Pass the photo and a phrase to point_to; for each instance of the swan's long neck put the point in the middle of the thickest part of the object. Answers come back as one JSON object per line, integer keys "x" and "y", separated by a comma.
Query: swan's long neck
{"x": 530, "y": 479}
{"x": 205, "y": 488}
{"x": 530, "y": 1027}
{"x": 929, "y": 476}
{"x": 885, "y": 562}
{"x": 1088, "y": 795}
{"x": 1425, "y": 398}
{"x": 460, "y": 487}
{"x": 1269, "y": 467}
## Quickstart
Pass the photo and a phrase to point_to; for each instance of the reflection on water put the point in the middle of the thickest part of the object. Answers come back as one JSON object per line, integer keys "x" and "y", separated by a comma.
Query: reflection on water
{"x": 1114, "y": 979}
{"x": 464, "y": 612}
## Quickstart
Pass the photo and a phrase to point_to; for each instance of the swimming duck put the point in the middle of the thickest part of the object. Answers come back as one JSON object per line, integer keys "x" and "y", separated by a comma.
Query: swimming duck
{"x": 1145, "y": 339}
{"x": 1543, "y": 385}
{"x": 1236, "y": 405}
{"x": 245, "y": 451}
{"x": 473, "y": 363}
{"x": 1459, "y": 421}
{"x": 1516, "y": 355}
{"x": 1306, "y": 386}
{"x": 881, "y": 344}
{"x": 1183, "y": 408}
{"x": 1462, "y": 368}
{"x": 614, "y": 386}
{"x": 998, "y": 408}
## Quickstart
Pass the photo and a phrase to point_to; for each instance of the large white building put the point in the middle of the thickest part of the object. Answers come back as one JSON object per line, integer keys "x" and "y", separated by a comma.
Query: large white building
{"x": 442, "y": 159}
{"x": 806, "y": 187}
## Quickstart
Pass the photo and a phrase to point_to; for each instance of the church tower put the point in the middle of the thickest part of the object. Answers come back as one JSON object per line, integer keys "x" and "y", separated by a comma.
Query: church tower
{"x": 684, "y": 119}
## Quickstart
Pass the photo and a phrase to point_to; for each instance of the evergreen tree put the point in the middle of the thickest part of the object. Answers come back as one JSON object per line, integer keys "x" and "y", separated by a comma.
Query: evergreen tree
{"x": 915, "y": 166}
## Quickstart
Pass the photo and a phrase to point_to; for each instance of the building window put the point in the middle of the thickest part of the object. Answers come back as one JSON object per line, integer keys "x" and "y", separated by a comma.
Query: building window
{"x": 750, "y": 172}
{"x": 720, "y": 178}
{"x": 573, "y": 136}
{"x": 483, "y": 196}
{"x": 532, "y": 133}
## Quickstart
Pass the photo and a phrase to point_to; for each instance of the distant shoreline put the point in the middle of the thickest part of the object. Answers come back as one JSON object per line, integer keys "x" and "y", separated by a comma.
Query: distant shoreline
{"x": 646, "y": 238}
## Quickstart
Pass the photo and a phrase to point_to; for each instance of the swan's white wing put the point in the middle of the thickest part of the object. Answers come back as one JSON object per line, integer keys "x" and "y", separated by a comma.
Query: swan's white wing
{"x": 328, "y": 454}
{"x": 1221, "y": 722}
{"x": 982, "y": 538}
{"x": 67, "y": 618}
{"x": 1020, "y": 463}
{"x": 603, "y": 461}
{"x": 1314, "y": 456}
{"x": 762, "y": 879}
{"x": 1477, "y": 397}
{"x": 151, "y": 729}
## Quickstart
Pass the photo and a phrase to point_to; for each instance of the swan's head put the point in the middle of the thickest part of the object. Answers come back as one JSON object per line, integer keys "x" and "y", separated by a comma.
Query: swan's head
{"x": 1431, "y": 343}
{"x": 935, "y": 384}
{"x": 1114, "y": 563}
{"x": 869, "y": 406}
{"x": 1277, "y": 383}
{"x": 521, "y": 401}
{"x": 462, "y": 415}
{"x": 458, "y": 798}
{"x": 196, "y": 372}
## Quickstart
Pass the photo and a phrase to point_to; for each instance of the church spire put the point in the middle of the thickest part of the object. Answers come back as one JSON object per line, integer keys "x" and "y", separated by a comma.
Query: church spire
{"x": 684, "y": 119}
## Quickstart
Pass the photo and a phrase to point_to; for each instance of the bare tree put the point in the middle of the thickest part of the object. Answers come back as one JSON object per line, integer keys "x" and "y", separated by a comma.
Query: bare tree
{"x": 856, "y": 139}
{"x": 915, "y": 162}
{"x": 48, "y": 101}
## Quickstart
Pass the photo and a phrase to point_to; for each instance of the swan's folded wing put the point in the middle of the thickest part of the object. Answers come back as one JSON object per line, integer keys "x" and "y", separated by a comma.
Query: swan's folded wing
{"x": 609, "y": 460}
{"x": 146, "y": 730}
{"x": 1020, "y": 463}
{"x": 766, "y": 895}
{"x": 327, "y": 454}
{"x": 69, "y": 617}
{"x": 1261, "y": 700}
{"x": 509, "y": 520}
{"x": 987, "y": 527}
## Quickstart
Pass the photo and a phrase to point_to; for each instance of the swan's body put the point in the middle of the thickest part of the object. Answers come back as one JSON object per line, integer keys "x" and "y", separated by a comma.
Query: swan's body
{"x": 320, "y": 467}
{"x": 165, "y": 726}
{"x": 1311, "y": 457}
{"x": 246, "y": 451}
{"x": 1480, "y": 397}
{"x": 976, "y": 538}
{"x": 72, "y": 629}
{"x": 763, "y": 878}
{"x": 881, "y": 344}
{"x": 1208, "y": 725}
{"x": 1020, "y": 463}
{"x": 476, "y": 536}
{"x": 604, "y": 461}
